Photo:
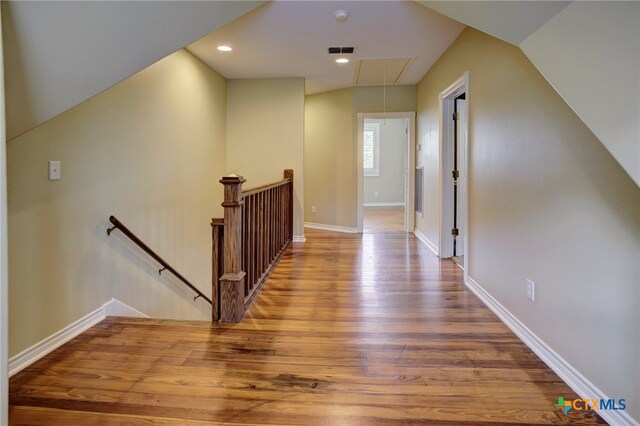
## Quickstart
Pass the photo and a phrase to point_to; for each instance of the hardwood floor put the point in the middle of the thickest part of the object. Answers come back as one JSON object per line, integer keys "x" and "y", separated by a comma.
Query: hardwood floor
{"x": 383, "y": 219}
{"x": 349, "y": 330}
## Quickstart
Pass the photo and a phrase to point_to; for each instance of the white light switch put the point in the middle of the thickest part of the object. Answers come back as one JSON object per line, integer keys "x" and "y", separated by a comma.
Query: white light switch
{"x": 531, "y": 290}
{"x": 54, "y": 170}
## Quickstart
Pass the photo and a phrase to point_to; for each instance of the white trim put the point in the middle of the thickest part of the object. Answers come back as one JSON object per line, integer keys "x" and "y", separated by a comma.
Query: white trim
{"x": 116, "y": 308}
{"x": 4, "y": 250}
{"x": 334, "y": 228}
{"x": 572, "y": 377}
{"x": 409, "y": 220}
{"x": 360, "y": 176}
{"x": 426, "y": 241}
{"x": 29, "y": 356}
{"x": 385, "y": 204}
{"x": 299, "y": 239}
{"x": 445, "y": 182}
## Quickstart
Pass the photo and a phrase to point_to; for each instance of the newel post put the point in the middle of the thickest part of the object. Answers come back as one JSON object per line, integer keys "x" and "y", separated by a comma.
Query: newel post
{"x": 232, "y": 281}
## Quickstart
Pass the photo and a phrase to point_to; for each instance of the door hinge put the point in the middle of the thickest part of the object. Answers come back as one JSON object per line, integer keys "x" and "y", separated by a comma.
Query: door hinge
{"x": 454, "y": 232}
{"x": 456, "y": 174}
{"x": 456, "y": 115}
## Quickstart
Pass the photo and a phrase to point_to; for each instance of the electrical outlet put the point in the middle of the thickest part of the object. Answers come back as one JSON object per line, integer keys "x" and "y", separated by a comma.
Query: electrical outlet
{"x": 376, "y": 194}
{"x": 531, "y": 290}
{"x": 313, "y": 209}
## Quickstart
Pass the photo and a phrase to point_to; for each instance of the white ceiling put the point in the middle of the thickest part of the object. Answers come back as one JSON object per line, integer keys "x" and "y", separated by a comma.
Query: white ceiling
{"x": 290, "y": 39}
{"x": 511, "y": 21}
{"x": 60, "y": 53}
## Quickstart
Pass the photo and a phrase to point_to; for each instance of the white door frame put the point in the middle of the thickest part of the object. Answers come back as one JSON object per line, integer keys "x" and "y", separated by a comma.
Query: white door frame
{"x": 4, "y": 278}
{"x": 409, "y": 221}
{"x": 445, "y": 187}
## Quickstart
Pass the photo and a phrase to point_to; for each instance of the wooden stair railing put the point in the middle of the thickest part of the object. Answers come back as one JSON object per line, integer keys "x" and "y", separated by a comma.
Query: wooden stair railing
{"x": 256, "y": 229}
{"x": 165, "y": 266}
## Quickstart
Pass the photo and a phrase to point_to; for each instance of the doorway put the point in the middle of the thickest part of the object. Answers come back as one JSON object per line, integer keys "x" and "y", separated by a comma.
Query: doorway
{"x": 454, "y": 119}
{"x": 386, "y": 159}
{"x": 459, "y": 134}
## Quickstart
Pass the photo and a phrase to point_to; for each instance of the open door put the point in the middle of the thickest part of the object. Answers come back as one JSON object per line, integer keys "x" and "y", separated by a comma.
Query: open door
{"x": 453, "y": 194}
{"x": 459, "y": 205}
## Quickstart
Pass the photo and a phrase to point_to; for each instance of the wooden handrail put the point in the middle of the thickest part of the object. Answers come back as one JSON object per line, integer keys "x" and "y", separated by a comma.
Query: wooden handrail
{"x": 165, "y": 266}
{"x": 251, "y": 191}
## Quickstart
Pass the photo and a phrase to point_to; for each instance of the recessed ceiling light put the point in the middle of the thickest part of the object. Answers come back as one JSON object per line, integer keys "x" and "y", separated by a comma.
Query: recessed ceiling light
{"x": 224, "y": 48}
{"x": 342, "y": 60}
{"x": 341, "y": 15}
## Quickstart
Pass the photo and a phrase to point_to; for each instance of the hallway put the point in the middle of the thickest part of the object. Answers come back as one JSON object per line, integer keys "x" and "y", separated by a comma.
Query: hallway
{"x": 351, "y": 329}
{"x": 383, "y": 220}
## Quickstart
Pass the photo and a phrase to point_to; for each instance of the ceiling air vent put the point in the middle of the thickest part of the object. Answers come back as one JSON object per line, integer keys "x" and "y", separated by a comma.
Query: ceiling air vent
{"x": 339, "y": 50}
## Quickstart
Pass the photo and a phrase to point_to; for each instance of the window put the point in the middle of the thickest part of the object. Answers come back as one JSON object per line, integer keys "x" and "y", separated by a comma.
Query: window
{"x": 371, "y": 149}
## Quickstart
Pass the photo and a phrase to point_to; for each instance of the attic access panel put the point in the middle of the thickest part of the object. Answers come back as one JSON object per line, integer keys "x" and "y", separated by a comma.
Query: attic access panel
{"x": 378, "y": 71}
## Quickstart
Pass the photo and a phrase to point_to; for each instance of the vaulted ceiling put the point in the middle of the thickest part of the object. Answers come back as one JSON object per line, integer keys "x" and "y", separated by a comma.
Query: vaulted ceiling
{"x": 58, "y": 54}
{"x": 290, "y": 39}
{"x": 511, "y": 21}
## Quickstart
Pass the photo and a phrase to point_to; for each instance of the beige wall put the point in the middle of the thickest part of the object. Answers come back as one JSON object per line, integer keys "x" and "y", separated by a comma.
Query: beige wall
{"x": 597, "y": 60}
{"x": 329, "y": 158}
{"x": 149, "y": 150}
{"x": 547, "y": 202}
{"x": 393, "y": 146}
{"x": 331, "y": 130}
{"x": 265, "y": 134}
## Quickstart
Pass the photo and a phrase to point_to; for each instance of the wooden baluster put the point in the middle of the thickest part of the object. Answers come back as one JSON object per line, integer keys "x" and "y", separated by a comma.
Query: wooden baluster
{"x": 280, "y": 217}
{"x": 217, "y": 262}
{"x": 256, "y": 237}
{"x": 243, "y": 236}
{"x": 270, "y": 215}
{"x": 278, "y": 223}
{"x": 232, "y": 282}
{"x": 270, "y": 245}
{"x": 267, "y": 224}
{"x": 261, "y": 234}
{"x": 280, "y": 227}
{"x": 248, "y": 202}
{"x": 267, "y": 250}
{"x": 274, "y": 218}
{"x": 288, "y": 174}
{"x": 245, "y": 248}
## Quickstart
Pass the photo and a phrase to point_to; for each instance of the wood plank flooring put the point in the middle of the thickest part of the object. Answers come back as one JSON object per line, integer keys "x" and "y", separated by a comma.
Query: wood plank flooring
{"x": 349, "y": 330}
{"x": 388, "y": 219}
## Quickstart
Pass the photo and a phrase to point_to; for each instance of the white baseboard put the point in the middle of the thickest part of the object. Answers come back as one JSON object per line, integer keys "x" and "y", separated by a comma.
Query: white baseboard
{"x": 335, "y": 228}
{"x": 116, "y": 308}
{"x": 299, "y": 239}
{"x": 27, "y": 357}
{"x": 427, "y": 242}
{"x": 572, "y": 377}
{"x": 385, "y": 204}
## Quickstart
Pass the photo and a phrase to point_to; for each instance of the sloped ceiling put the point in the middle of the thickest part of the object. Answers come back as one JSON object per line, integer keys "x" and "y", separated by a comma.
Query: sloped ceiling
{"x": 511, "y": 21}
{"x": 58, "y": 54}
{"x": 588, "y": 50}
{"x": 590, "y": 53}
